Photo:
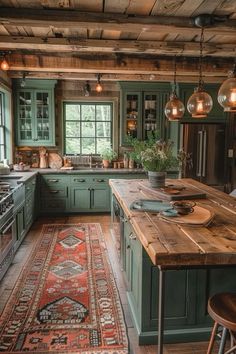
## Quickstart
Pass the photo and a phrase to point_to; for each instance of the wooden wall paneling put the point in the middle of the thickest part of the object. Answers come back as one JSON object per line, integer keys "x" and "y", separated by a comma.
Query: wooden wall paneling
{"x": 186, "y": 9}
{"x": 139, "y": 7}
{"x": 226, "y": 7}
{"x": 207, "y": 7}
{"x": 166, "y": 7}
{"x": 116, "y": 6}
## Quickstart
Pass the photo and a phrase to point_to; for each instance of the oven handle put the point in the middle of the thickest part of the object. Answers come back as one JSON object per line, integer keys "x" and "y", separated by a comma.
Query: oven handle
{"x": 8, "y": 226}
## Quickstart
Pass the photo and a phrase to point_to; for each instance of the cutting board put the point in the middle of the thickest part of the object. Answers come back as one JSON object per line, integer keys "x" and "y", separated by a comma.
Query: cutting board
{"x": 54, "y": 160}
{"x": 200, "y": 217}
{"x": 171, "y": 192}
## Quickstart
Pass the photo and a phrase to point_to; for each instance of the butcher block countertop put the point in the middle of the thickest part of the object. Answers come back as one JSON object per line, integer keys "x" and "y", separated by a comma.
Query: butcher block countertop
{"x": 173, "y": 244}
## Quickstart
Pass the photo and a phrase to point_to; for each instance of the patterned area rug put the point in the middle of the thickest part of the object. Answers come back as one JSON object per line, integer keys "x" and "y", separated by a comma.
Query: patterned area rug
{"x": 65, "y": 300}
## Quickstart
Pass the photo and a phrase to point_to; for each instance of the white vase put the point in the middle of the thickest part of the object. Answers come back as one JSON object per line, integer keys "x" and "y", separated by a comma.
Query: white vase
{"x": 157, "y": 179}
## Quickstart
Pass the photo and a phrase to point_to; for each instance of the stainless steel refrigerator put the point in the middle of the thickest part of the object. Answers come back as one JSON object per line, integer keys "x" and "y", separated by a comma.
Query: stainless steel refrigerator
{"x": 206, "y": 144}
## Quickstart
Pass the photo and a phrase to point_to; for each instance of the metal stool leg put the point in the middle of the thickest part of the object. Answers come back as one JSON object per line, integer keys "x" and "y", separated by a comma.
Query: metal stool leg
{"x": 223, "y": 340}
{"x": 212, "y": 338}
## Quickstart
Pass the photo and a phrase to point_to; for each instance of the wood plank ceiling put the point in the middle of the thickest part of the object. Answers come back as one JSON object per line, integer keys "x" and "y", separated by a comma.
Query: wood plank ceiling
{"x": 120, "y": 39}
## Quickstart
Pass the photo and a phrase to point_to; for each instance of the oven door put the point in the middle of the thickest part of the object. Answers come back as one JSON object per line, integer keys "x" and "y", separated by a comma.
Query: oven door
{"x": 6, "y": 243}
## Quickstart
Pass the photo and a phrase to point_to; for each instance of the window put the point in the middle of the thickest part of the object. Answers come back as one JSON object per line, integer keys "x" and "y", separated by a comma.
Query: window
{"x": 87, "y": 127}
{"x": 2, "y": 130}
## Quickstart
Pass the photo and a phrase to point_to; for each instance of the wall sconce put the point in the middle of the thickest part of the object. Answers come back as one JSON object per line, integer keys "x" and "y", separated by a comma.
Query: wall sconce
{"x": 227, "y": 92}
{"x": 98, "y": 87}
{"x": 4, "y": 63}
{"x": 87, "y": 89}
{"x": 200, "y": 103}
{"x": 174, "y": 109}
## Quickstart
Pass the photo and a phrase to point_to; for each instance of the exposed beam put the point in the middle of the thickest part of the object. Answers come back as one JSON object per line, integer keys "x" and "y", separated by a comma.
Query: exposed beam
{"x": 168, "y": 77}
{"x": 126, "y": 66}
{"x": 115, "y": 46}
{"x": 107, "y": 21}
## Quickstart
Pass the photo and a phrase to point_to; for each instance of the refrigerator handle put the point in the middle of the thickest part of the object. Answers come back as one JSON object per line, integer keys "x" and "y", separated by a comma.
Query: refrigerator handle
{"x": 199, "y": 153}
{"x": 204, "y": 150}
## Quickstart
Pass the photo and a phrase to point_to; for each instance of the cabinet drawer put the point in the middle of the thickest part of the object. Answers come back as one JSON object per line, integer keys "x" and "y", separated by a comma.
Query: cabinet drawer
{"x": 54, "y": 191}
{"x": 53, "y": 205}
{"x": 81, "y": 180}
{"x": 30, "y": 186}
{"x": 54, "y": 180}
{"x": 100, "y": 180}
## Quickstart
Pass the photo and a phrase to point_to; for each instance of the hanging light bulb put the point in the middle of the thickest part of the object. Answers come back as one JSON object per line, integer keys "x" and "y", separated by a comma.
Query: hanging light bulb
{"x": 227, "y": 92}
{"x": 174, "y": 109}
{"x": 4, "y": 64}
{"x": 200, "y": 103}
{"x": 98, "y": 87}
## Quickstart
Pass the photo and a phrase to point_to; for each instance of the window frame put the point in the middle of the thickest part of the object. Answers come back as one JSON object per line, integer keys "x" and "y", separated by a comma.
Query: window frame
{"x": 2, "y": 128}
{"x": 87, "y": 102}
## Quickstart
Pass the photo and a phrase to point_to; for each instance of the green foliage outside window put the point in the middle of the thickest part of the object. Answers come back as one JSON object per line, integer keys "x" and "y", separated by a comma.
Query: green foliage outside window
{"x": 87, "y": 127}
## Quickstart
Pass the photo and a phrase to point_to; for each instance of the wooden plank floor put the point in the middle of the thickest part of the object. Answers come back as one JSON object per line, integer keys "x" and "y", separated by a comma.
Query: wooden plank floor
{"x": 7, "y": 283}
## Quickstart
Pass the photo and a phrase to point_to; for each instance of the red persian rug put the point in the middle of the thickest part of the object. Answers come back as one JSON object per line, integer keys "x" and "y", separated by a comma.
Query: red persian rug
{"x": 65, "y": 300}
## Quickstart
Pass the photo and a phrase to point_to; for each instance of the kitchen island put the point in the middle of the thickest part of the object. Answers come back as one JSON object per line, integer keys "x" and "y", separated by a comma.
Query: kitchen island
{"x": 179, "y": 263}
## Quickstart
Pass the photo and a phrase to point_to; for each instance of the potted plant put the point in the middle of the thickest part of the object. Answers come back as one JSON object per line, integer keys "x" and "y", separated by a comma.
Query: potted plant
{"x": 156, "y": 160}
{"x": 107, "y": 155}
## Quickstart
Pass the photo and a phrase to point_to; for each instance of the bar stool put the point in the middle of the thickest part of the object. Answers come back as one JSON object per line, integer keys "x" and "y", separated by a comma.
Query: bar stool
{"x": 222, "y": 309}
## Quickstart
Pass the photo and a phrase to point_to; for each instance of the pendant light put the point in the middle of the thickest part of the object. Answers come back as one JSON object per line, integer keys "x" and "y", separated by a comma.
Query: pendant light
{"x": 98, "y": 87}
{"x": 174, "y": 109}
{"x": 227, "y": 92}
{"x": 200, "y": 103}
{"x": 4, "y": 64}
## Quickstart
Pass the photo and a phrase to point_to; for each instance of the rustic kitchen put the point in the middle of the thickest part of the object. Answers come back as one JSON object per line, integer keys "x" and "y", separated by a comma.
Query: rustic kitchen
{"x": 117, "y": 176}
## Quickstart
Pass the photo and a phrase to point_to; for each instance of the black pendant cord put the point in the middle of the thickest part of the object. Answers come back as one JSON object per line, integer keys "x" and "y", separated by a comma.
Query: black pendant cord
{"x": 201, "y": 82}
{"x": 175, "y": 66}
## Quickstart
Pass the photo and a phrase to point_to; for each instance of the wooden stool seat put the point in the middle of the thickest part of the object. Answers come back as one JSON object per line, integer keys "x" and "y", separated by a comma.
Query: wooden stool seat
{"x": 222, "y": 309}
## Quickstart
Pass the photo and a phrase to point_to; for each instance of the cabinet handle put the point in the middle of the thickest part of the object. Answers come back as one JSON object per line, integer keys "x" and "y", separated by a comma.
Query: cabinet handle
{"x": 54, "y": 192}
{"x": 28, "y": 188}
{"x": 100, "y": 180}
{"x": 79, "y": 180}
{"x": 123, "y": 219}
{"x": 128, "y": 247}
{"x": 132, "y": 236}
{"x": 53, "y": 180}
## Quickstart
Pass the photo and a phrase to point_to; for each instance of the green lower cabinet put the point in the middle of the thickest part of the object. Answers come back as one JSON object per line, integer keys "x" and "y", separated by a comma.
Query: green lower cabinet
{"x": 54, "y": 193}
{"x": 89, "y": 194}
{"x": 186, "y": 294}
{"x": 20, "y": 227}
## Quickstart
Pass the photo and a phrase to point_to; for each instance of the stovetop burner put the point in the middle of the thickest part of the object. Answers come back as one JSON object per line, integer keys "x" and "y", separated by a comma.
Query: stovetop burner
{"x": 5, "y": 187}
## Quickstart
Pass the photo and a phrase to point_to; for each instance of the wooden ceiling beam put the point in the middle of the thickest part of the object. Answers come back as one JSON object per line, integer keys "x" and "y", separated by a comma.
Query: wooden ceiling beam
{"x": 113, "y": 77}
{"x": 108, "y": 21}
{"x": 122, "y": 66}
{"x": 115, "y": 46}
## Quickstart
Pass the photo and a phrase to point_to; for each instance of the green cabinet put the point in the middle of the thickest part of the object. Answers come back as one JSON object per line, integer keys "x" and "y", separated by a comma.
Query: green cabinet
{"x": 54, "y": 193}
{"x": 34, "y": 113}
{"x": 89, "y": 193}
{"x": 30, "y": 197}
{"x": 20, "y": 226}
{"x": 142, "y": 111}
{"x": 186, "y": 293}
{"x": 216, "y": 115}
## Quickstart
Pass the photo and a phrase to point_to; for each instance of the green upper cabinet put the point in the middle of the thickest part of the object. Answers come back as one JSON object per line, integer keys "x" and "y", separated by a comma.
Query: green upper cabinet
{"x": 34, "y": 113}
{"x": 216, "y": 115}
{"x": 142, "y": 111}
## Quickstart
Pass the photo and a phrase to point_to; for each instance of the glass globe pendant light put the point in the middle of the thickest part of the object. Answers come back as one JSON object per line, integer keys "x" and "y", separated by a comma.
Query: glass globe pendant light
{"x": 174, "y": 108}
{"x": 200, "y": 103}
{"x": 227, "y": 92}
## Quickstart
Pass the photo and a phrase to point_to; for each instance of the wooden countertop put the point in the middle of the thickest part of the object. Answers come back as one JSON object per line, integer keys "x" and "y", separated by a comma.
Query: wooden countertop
{"x": 173, "y": 245}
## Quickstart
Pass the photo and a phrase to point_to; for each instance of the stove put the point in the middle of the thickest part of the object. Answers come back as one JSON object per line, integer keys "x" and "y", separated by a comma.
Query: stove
{"x": 6, "y": 202}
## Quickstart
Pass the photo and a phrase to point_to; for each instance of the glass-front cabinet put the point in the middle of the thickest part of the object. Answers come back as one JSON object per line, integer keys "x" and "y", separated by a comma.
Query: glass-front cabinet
{"x": 35, "y": 114}
{"x": 142, "y": 111}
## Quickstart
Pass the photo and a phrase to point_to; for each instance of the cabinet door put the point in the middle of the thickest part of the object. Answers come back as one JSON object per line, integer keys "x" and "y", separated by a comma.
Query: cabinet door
{"x": 80, "y": 198}
{"x": 43, "y": 124}
{"x": 151, "y": 120}
{"x": 131, "y": 124}
{"x": 100, "y": 198}
{"x": 25, "y": 116}
{"x": 35, "y": 114}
